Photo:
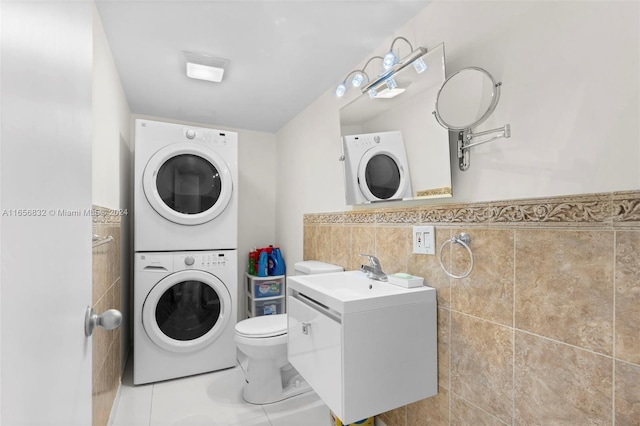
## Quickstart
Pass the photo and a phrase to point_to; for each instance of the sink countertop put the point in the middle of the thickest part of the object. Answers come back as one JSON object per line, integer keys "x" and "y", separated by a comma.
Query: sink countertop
{"x": 351, "y": 291}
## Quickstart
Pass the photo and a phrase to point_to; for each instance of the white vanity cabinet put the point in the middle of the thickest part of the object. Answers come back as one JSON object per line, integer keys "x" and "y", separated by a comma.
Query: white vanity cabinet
{"x": 361, "y": 361}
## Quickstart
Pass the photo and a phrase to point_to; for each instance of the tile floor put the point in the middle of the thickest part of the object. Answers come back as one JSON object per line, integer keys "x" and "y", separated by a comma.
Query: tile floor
{"x": 213, "y": 399}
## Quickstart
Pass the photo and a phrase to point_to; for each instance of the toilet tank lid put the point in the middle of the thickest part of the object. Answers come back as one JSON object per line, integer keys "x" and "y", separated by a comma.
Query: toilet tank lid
{"x": 309, "y": 267}
{"x": 263, "y": 326}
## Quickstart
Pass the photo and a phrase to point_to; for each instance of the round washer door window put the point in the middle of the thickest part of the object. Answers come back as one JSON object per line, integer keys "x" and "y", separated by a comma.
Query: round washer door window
{"x": 187, "y": 183}
{"x": 186, "y": 311}
{"x": 381, "y": 176}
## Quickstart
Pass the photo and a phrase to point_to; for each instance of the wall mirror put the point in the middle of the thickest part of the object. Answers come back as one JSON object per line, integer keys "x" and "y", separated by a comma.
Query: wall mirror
{"x": 465, "y": 100}
{"x": 393, "y": 149}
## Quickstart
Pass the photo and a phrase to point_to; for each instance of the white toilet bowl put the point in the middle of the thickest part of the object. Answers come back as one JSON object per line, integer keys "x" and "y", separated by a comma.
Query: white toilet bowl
{"x": 270, "y": 377}
{"x": 263, "y": 340}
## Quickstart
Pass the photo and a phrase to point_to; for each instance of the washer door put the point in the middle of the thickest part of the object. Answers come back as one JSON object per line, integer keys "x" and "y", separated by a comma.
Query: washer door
{"x": 381, "y": 175}
{"x": 186, "y": 311}
{"x": 187, "y": 183}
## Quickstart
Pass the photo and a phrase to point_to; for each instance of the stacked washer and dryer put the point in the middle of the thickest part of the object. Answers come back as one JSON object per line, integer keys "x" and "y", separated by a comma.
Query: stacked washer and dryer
{"x": 185, "y": 243}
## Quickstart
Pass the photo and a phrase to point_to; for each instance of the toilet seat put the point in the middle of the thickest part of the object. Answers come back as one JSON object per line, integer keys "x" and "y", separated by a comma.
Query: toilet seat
{"x": 263, "y": 326}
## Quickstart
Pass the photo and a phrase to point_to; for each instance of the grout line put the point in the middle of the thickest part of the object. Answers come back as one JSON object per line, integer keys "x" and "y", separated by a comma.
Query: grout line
{"x": 153, "y": 387}
{"x": 480, "y": 318}
{"x": 533, "y": 334}
{"x": 613, "y": 332}
{"x": 627, "y": 362}
{"x": 478, "y": 408}
{"x": 266, "y": 415}
{"x": 450, "y": 352}
{"x": 513, "y": 335}
{"x": 566, "y": 344}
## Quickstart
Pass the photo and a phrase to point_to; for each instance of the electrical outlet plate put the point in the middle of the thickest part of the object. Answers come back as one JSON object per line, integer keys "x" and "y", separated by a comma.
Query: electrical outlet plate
{"x": 424, "y": 240}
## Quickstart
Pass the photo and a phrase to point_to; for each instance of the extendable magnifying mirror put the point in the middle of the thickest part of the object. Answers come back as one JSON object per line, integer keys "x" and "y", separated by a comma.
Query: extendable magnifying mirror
{"x": 465, "y": 100}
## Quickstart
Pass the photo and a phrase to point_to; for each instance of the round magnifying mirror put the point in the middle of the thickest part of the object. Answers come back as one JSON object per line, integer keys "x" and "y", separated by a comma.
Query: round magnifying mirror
{"x": 467, "y": 98}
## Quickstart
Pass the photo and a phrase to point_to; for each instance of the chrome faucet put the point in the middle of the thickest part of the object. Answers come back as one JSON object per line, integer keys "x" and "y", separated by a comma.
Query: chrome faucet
{"x": 373, "y": 270}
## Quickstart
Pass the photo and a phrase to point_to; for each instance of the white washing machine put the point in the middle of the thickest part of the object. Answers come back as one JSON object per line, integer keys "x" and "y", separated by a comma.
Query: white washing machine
{"x": 185, "y": 307}
{"x": 376, "y": 167}
{"x": 186, "y": 188}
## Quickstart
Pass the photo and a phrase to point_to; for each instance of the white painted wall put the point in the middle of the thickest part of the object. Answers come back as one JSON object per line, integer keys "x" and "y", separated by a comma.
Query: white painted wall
{"x": 111, "y": 121}
{"x": 570, "y": 90}
{"x": 256, "y": 196}
{"x": 1, "y": 207}
{"x": 112, "y": 158}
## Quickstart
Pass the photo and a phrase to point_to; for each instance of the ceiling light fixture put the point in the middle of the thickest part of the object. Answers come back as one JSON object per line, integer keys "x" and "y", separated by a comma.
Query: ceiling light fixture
{"x": 205, "y": 67}
{"x": 390, "y": 66}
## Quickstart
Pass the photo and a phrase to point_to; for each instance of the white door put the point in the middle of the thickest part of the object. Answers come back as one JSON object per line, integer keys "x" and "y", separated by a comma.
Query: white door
{"x": 186, "y": 311}
{"x": 187, "y": 183}
{"x": 381, "y": 175}
{"x": 45, "y": 176}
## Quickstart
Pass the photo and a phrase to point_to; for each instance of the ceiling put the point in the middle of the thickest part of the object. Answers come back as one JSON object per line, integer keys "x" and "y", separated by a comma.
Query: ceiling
{"x": 283, "y": 54}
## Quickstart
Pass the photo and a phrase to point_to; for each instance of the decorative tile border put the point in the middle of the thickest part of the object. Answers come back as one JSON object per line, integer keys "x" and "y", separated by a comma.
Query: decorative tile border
{"x": 106, "y": 216}
{"x": 361, "y": 217}
{"x": 594, "y": 209}
{"x": 606, "y": 209}
{"x": 626, "y": 207}
{"x": 409, "y": 215}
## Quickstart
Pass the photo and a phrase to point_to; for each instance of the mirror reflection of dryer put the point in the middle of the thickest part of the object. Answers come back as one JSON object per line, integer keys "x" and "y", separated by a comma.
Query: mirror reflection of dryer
{"x": 376, "y": 167}
{"x": 185, "y": 188}
{"x": 184, "y": 313}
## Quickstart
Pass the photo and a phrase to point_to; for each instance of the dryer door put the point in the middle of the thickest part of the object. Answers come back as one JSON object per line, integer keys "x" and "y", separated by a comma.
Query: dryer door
{"x": 381, "y": 176}
{"x": 187, "y": 183}
{"x": 186, "y": 311}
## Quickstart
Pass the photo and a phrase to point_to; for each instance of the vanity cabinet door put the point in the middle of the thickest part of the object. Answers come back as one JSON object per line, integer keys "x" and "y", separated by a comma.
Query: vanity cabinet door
{"x": 315, "y": 350}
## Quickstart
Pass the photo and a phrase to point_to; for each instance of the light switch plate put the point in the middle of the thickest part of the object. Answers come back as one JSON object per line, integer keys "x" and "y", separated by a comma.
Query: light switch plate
{"x": 424, "y": 240}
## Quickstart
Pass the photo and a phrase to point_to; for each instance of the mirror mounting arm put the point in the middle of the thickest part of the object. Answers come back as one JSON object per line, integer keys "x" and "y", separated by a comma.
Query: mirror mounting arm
{"x": 466, "y": 136}
{"x": 468, "y": 81}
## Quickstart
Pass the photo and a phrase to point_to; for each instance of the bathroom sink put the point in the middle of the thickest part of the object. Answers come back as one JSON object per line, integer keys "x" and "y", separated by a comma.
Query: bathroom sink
{"x": 342, "y": 327}
{"x": 352, "y": 291}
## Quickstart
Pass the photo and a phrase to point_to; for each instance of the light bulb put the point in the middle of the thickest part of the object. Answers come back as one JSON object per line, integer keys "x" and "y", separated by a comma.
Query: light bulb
{"x": 373, "y": 93}
{"x": 340, "y": 90}
{"x": 357, "y": 80}
{"x": 389, "y": 60}
{"x": 391, "y": 83}
{"x": 419, "y": 65}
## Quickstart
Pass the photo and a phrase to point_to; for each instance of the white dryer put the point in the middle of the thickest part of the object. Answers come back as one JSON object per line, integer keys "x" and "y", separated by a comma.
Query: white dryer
{"x": 376, "y": 167}
{"x": 186, "y": 188}
{"x": 184, "y": 314}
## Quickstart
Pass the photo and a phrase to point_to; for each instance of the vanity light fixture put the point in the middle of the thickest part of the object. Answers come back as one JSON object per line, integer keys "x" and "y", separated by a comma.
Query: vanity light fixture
{"x": 359, "y": 76}
{"x": 205, "y": 67}
{"x": 391, "y": 65}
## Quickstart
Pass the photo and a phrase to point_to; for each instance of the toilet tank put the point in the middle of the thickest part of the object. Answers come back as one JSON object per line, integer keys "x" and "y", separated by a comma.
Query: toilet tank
{"x": 311, "y": 267}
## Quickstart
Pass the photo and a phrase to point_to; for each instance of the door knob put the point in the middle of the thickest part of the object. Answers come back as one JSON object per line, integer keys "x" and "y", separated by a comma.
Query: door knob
{"x": 109, "y": 319}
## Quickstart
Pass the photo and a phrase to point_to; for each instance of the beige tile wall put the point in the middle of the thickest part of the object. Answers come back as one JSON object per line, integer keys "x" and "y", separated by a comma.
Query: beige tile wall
{"x": 546, "y": 328}
{"x": 106, "y": 295}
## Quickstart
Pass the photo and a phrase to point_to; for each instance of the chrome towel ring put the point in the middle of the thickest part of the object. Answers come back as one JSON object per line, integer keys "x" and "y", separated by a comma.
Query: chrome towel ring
{"x": 464, "y": 240}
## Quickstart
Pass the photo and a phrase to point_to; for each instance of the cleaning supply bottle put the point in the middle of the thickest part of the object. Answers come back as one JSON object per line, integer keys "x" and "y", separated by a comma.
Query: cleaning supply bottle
{"x": 279, "y": 266}
{"x": 263, "y": 260}
{"x": 252, "y": 262}
{"x": 271, "y": 261}
{"x": 255, "y": 259}
{"x": 271, "y": 264}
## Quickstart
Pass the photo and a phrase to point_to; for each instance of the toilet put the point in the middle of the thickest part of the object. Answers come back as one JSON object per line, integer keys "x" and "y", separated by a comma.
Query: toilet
{"x": 262, "y": 342}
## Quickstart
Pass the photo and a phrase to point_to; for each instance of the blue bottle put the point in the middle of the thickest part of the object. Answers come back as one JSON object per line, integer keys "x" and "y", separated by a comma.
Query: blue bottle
{"x": 279, "y": 266}
{"x": 271, "y": 263}
{"x": 263, "y": 260}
